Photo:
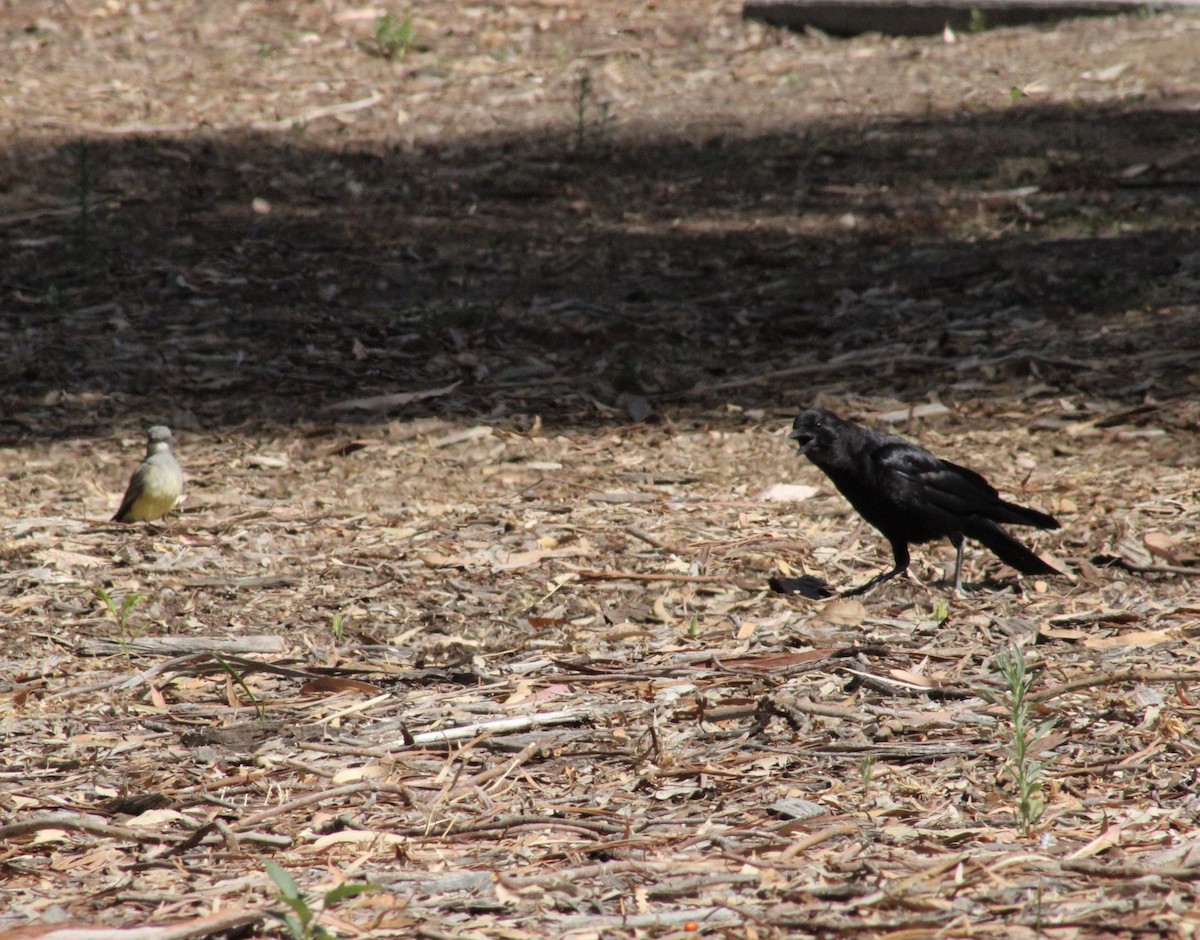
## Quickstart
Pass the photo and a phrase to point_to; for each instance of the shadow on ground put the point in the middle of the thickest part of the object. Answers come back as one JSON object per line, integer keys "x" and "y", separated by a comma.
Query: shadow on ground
{"x": 218, "y": 280}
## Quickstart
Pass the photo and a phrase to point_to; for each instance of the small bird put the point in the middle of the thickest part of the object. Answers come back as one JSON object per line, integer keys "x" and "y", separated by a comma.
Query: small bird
{"x": 156, "y": 484}
{"x": 912, "y": 496}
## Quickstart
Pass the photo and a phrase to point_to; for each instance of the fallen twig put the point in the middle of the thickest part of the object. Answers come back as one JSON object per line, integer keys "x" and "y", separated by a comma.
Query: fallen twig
{"x": 180, "y": 645}
{"x": 1087, "y": 867}
{"x": 700, "y": 915}
{"x": 503, "y": 770}
{"x": 647, "y": 576}
{"x": 209, "y": 926}
{"x": 816, "y": 838}
{"x": 1125, "y": 675}
{"x": 363, "y": 786}
{"x": 80, "y": 824}
{"x": 649, "y": 539}
{"x": 313, "y": 114}
{"x": 509, "y": 823}
{"x": 498, "y": 726}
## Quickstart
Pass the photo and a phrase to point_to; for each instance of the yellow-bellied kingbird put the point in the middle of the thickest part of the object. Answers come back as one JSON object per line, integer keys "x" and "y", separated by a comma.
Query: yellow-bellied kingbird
{"x": 156, "y": 484}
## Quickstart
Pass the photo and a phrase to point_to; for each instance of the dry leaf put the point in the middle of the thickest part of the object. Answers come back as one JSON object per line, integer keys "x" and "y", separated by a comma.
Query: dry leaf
{"x": 1108, "y": 74}
{"x": 332, "y": 685}
{"x": 913, "y": 679}
{"x": 433, "y": 559}
{"x": 59, "y": 558}
{"x": 350, "y": 447}
{"x": 926, "y": 410}
{"x": 1133, "y": 552}
{"x": 788, "y": 493}
{"x": 500, "y": 560}
{"x": 155, "y": 819}
{"x": 459, "y": 437}
{"x": 1138, "y": 638}
{"x": 775, "y": 662}
{"x": 1162, "y": 546}
{"x": 524, "y": 694}
{"x": 1064, "y": 634}
{"x": 795, "y": 808}
{"x": 845, "y": 611}
{"x": 267, "y": 462}
{"x": 354, "y": 774}
{"x": 542, "y": 623}
{"x": 50, "y": 835}
{"x": 352, "y": 837}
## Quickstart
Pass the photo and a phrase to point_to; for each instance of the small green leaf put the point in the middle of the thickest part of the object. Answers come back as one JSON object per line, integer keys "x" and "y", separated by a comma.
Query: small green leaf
{"x": 287, "y": 886}
{"x": 349, "y": 889}
{"x": 108, "y": 601}
{"x": 294, "y": 927}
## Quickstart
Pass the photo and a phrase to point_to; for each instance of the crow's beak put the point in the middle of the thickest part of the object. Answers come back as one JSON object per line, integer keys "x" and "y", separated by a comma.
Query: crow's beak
{"x": 801, "y": 437}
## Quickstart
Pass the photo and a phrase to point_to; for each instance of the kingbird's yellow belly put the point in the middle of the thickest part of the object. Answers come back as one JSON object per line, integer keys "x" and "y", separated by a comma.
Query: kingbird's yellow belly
{"x": 157, "y": 498}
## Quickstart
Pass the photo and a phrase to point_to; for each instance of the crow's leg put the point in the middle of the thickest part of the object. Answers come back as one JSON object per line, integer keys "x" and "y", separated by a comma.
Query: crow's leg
{"x": 957, "y": 540}
{"x": 900, "y": 558}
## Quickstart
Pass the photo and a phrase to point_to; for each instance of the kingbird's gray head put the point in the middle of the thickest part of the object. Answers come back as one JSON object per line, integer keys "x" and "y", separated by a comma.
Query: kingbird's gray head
{"x": 158, "y": 440}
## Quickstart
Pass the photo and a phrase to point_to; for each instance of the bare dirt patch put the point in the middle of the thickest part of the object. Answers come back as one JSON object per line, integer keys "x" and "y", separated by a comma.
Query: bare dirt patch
{"x": 479, "y": 360}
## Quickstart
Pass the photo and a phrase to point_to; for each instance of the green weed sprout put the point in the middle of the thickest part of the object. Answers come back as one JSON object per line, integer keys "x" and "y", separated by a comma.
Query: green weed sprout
{"x": 121, "y": 614}
{"x": 393, "y": 38}
{"x": 300, "y": 920}
{"x": 1023, "y": 733}
{"x": 241, "y": 682}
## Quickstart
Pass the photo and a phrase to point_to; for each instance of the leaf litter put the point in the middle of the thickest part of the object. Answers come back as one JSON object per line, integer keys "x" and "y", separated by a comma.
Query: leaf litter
{"x": 506, "y": 651}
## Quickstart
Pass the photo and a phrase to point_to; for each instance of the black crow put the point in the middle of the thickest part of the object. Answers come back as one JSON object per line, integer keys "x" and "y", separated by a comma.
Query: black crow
{"x": 912, "y": 496}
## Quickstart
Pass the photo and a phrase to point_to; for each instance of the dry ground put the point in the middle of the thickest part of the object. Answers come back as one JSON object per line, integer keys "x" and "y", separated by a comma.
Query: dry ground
{"x": 500, "y": 643}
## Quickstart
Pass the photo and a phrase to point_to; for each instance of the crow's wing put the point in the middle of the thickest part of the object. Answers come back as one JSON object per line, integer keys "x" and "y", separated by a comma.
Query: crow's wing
{"x": 916, "y": 480}
{"x": 985, "y": 501}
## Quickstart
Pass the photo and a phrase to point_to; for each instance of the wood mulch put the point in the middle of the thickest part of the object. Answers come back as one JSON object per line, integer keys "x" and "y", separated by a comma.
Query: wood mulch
{"x": 480, "y": 361}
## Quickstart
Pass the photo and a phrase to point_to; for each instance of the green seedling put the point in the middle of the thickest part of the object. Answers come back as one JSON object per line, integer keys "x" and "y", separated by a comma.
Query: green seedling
{"x": 1024, "y": 733}
{"x": 238, "y": 678}
{"x": 591, "y": 115}
{"x": 300, "y": 920}
{"x": 866, "y": 770}
{"x": 121, "y": 613}
{"x": 392, "y": 39}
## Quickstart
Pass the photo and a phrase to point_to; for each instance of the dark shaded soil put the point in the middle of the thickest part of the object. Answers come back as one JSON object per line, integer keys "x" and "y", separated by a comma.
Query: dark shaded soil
{"x": 552, "y": 267}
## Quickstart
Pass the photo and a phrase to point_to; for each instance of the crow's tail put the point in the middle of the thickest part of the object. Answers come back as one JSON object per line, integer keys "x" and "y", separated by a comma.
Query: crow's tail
{"x": 1011, "y": 513}
{"x": 1006, "y": 548}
